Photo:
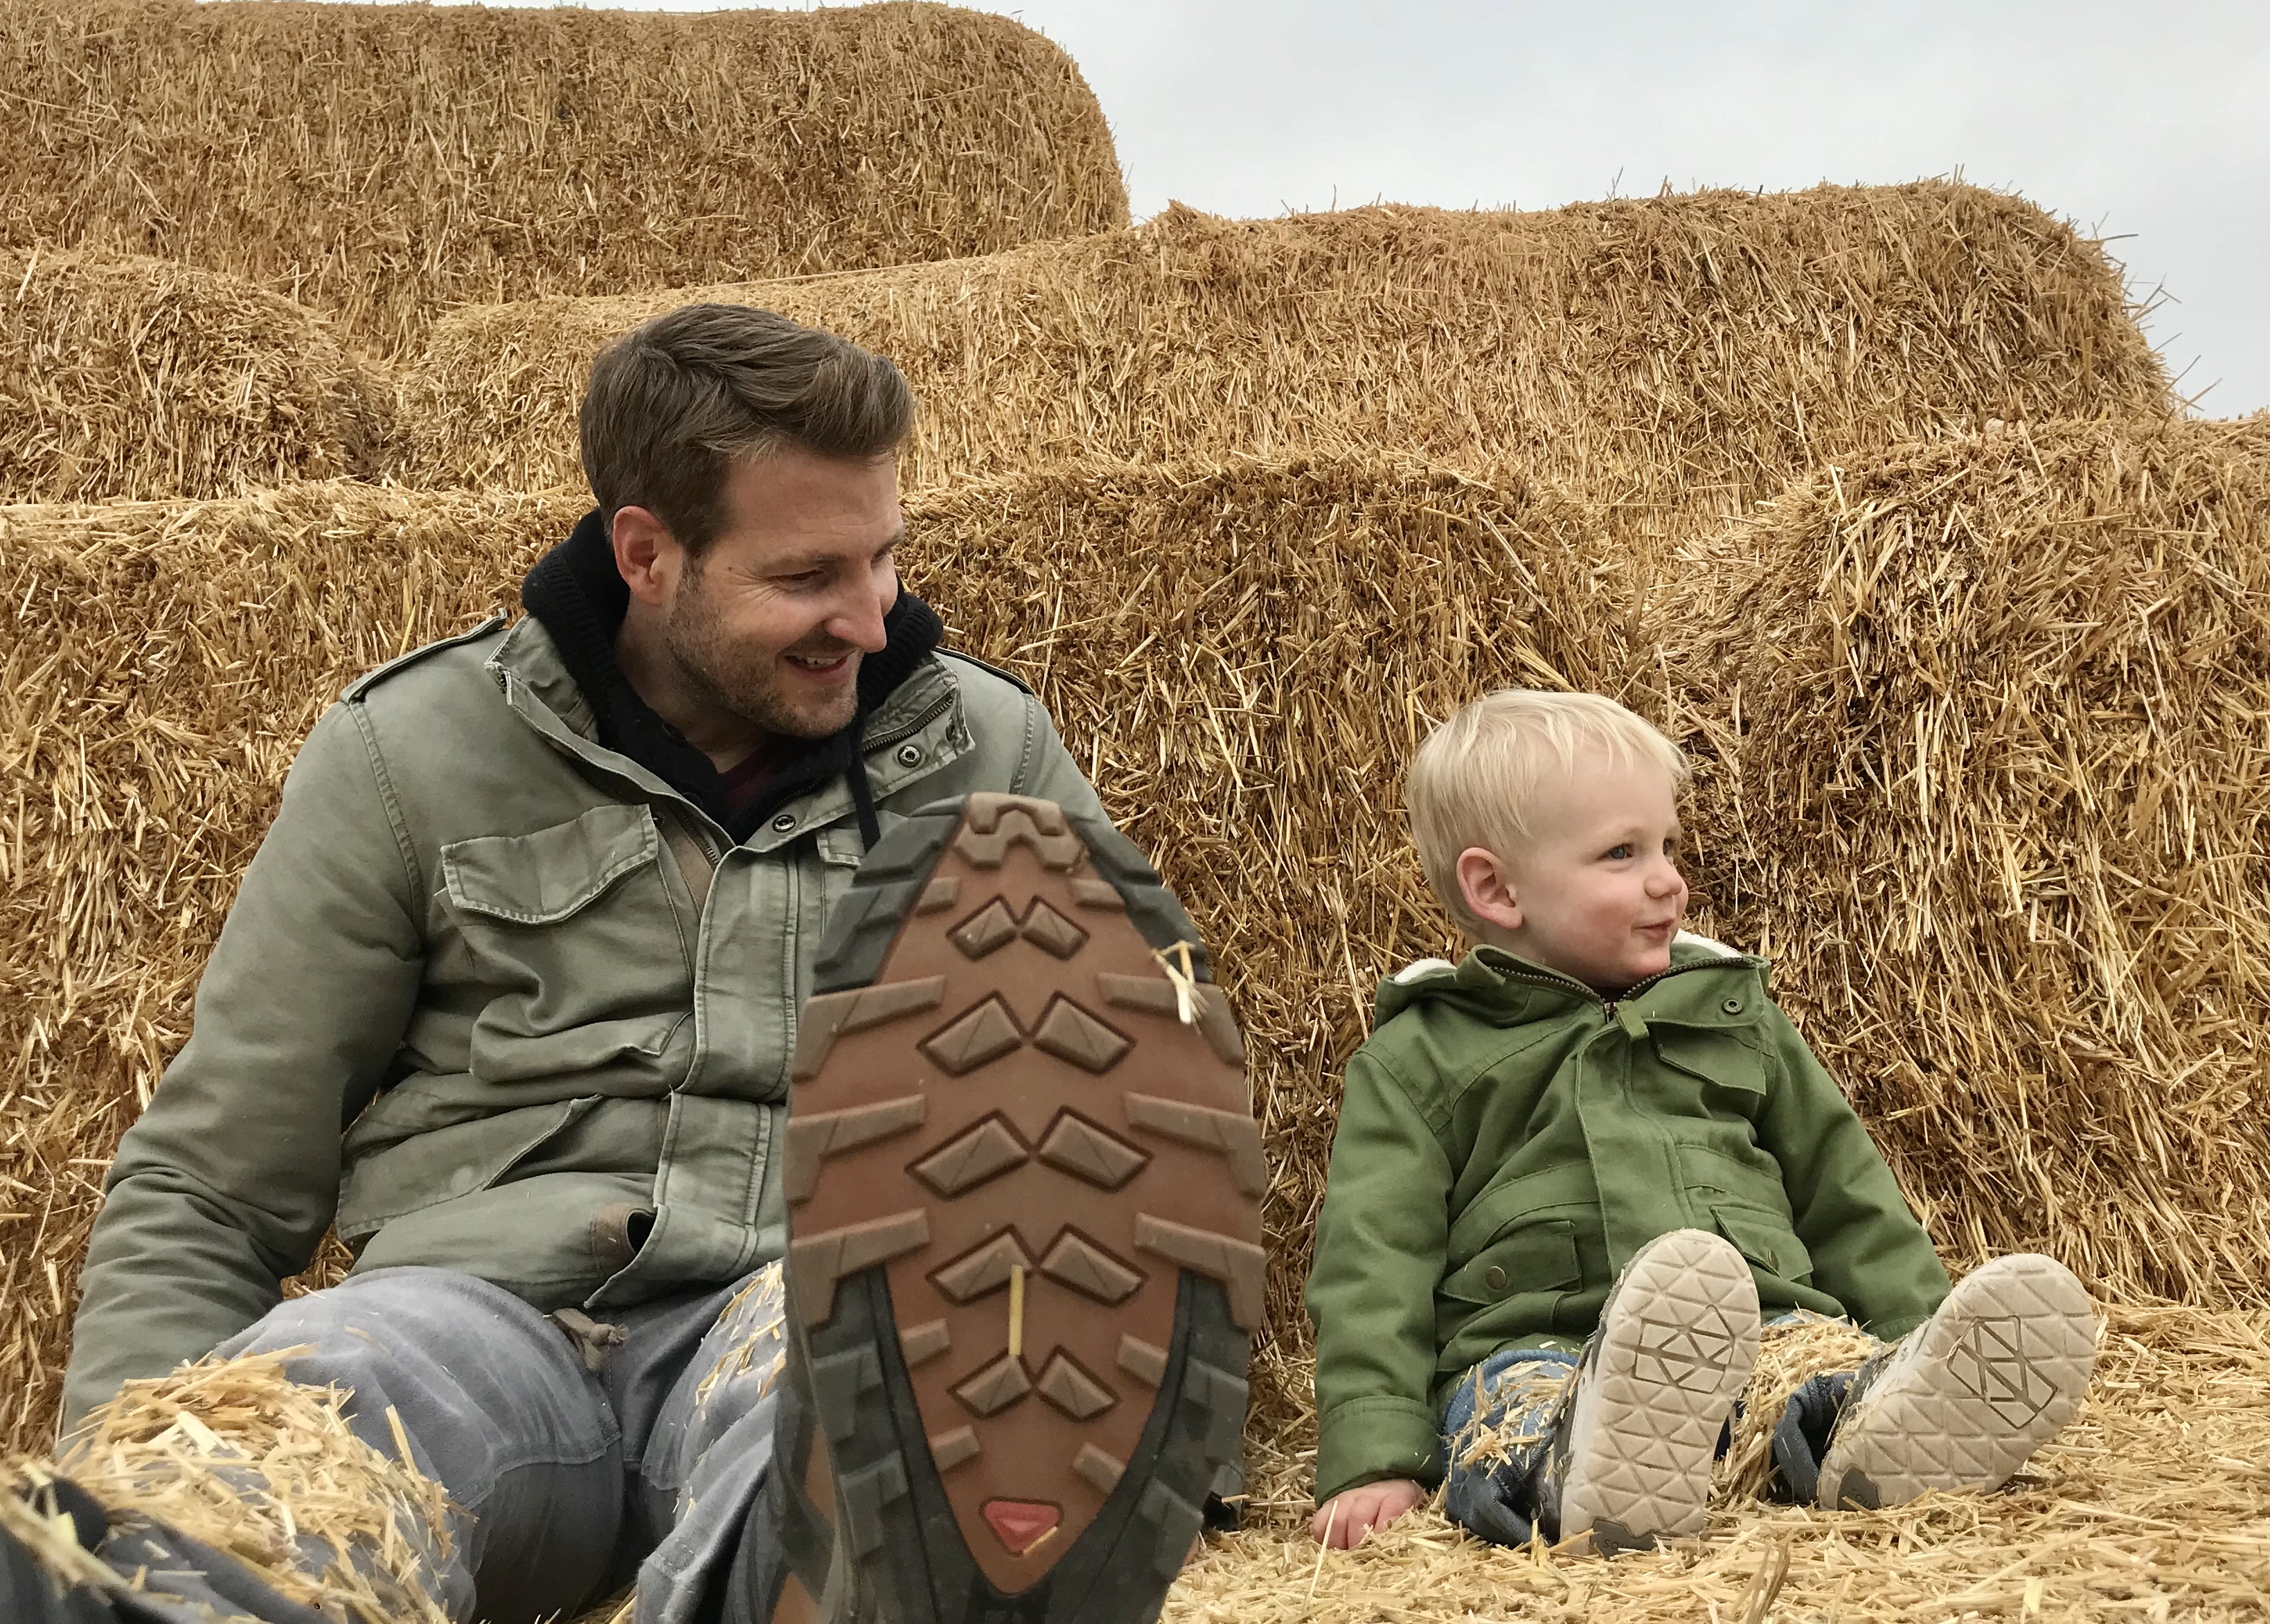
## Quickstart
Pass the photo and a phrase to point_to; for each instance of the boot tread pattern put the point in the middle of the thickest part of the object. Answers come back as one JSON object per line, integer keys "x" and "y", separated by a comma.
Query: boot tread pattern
{"x": 1021, "y": 1106}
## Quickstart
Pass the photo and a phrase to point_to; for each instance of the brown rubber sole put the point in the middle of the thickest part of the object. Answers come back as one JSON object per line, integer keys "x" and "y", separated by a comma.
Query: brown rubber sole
{"x": 1024, "y": 1184}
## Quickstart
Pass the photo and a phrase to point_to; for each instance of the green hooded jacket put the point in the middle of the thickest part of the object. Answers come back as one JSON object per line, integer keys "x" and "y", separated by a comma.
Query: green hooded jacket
{"x": 1508, "y": 1138}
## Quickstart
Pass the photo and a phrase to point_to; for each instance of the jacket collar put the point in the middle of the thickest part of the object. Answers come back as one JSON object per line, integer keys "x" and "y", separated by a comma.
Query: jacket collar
{"x": 924, "y": 712}
{"x": 1506, "y": 989}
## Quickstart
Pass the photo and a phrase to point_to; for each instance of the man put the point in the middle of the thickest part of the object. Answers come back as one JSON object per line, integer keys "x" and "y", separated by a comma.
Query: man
{"x": 509, "y": 995}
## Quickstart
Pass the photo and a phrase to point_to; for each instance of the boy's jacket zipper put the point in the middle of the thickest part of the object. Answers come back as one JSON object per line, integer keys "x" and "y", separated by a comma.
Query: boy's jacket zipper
{"x": 1608, "y": 1006}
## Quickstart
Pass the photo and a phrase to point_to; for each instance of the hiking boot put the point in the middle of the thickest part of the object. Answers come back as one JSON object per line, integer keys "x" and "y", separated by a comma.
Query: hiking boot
{"x": 1629, "y": 1457}
{"x": 1965, "y": 1397}
{"x": 1024, "y": 1265}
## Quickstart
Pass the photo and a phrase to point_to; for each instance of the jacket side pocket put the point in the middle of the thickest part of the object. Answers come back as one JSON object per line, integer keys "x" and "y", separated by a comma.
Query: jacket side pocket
{"x": 1539, "y": 1256}
{"x": 1766, "y": 1239}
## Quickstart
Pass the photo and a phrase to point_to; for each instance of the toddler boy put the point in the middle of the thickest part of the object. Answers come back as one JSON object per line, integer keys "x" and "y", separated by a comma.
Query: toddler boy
{"x": 1572, "y": 1173}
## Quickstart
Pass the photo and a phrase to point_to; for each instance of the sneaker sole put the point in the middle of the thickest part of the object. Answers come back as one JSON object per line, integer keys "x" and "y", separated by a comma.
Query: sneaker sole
{"x": 1995, "y": 1373}
{"x": 1024, "y": 1184}
{"x": 1678, "y": 1337}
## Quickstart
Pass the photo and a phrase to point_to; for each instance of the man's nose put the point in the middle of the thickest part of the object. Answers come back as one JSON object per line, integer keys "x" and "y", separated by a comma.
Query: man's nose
{"x": 858, "y": 618}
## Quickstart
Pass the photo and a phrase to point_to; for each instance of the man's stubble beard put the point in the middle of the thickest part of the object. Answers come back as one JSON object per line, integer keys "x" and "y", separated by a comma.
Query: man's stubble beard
{"x": 723, "y": 672}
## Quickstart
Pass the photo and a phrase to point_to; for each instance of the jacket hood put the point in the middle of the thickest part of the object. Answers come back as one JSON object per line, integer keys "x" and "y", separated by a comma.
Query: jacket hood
{"x": 581, "y": 597}
{"x": 1480, "y": 983}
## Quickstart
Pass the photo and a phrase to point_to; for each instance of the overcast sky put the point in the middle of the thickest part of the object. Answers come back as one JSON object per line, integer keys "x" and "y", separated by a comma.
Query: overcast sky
{"x": 2147, "y": 122}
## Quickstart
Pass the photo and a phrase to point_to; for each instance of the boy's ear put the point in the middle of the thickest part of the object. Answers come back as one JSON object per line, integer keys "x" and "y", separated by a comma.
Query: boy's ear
{"x": 1488, "y": 889}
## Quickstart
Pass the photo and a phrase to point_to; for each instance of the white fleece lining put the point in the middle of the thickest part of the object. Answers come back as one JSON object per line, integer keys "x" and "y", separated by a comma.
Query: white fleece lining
{"x": 1418, "y": 967}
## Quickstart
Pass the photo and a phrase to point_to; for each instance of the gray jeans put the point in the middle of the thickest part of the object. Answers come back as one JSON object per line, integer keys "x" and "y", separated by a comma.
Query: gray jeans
{"x": 565, "y": 1481}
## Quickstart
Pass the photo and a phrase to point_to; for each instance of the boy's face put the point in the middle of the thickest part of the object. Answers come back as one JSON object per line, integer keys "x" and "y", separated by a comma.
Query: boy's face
{"x": 1596, "y": 894}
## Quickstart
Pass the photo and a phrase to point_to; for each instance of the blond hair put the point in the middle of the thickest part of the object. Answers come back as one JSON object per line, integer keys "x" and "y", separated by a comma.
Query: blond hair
{"x": 1477, "y": 779}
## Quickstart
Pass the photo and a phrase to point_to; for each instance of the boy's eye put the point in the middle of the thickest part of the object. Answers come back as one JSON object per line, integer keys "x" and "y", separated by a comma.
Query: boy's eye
{"x": 1617, "y": 853}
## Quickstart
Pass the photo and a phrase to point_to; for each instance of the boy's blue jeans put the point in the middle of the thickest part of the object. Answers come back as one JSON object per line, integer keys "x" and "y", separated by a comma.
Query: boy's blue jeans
{"x": 1514, "y": 1392}
{"x": 1514, "y": 1395}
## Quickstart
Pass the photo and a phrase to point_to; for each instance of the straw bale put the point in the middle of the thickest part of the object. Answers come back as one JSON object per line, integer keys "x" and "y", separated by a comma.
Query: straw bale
{"x": 1791, "y": 1353}
{"x": 236, "y": 1455}
{"x": 1691, "y": 350}
{"x": 1986, "y": 735}
{"x": 126, "y": 377}
{"x": 159, "y": 664}
{"x": 1243, "y": 656}
{"x": 381, "y": 162}
{"x": 2154, "y": 1504}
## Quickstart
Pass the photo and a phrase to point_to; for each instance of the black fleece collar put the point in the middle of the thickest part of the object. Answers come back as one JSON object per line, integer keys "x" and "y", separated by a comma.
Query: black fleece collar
{"x": 581, "y": 597}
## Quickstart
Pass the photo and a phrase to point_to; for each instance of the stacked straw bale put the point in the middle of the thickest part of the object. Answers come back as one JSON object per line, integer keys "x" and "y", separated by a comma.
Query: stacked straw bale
{"x": 1243, "y": 656}
{"x": 382, "y": 162}
{"x": 127, "y": 378}
{"x": 1986, "y": 731}
{"x": 1689, "y": 350}
{"x": 159, "y": 664}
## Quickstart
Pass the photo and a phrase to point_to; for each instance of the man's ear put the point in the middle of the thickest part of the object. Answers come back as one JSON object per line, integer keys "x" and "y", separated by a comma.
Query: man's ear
{"x": 647, "y": 555}
{"x": 1488, "y": 888}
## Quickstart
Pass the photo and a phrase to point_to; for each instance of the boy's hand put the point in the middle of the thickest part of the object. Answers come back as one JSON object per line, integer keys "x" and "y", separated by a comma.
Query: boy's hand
{"x": 1344, "y": 1520}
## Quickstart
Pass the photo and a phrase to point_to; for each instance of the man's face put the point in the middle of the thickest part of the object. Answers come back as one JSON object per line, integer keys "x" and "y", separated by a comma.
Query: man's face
{"x": 770, "y": 622}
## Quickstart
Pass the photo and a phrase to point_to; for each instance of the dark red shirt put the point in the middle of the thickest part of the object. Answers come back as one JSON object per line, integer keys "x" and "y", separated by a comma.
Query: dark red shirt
{"x": 746, "y": 779}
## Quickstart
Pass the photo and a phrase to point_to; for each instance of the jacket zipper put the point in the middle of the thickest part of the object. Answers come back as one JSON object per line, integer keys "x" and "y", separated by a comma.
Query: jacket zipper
{"x": 1608, "y": 1006}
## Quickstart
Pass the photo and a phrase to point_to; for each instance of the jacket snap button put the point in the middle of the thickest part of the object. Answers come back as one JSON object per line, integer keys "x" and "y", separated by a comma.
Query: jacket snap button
{"x": 909, "y": 755}
{"x": 1496, "y": 1278}
{"x": 784, "y": 822}
{"x": 1732, "y": 1007}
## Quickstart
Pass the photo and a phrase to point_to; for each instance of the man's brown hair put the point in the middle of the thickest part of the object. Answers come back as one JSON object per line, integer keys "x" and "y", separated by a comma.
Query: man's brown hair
{"x": 673, "y": 404}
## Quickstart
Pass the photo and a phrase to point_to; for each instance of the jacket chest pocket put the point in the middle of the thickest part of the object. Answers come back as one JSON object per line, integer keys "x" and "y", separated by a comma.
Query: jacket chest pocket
{"x": 1729, "y": 1075}
{"x": 580, "y": 950}
{"x": 841, "y": 851}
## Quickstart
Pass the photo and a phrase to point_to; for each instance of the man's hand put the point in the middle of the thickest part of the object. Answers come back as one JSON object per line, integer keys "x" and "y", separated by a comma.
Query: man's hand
{"x": 1344, "y": 1520}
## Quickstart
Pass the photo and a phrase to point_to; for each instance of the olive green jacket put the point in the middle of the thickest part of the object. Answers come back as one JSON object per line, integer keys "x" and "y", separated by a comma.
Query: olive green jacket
{"x": 496, "y": 998}
{"x": 1508, "y": 1139}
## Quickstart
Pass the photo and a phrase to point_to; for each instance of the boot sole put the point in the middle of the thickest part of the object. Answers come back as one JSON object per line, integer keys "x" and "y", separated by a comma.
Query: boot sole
{"x": 1678, "y": 1337}
{"x": 1996, "y": 1374}
{"x": 1024, "y": 1184}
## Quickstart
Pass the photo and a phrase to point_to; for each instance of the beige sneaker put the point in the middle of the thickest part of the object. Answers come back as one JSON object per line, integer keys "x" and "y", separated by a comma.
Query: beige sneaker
{"x": 1965, "y": 1397}
{"x": 1631, "y": 1456}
